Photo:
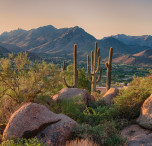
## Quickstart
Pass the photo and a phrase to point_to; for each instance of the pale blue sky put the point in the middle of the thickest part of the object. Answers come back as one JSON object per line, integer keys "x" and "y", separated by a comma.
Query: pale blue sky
{"x": 98, "y": 17}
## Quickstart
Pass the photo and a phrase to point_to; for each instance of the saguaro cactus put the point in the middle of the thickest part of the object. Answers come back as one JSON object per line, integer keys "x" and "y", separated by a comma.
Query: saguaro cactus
{"x": 109, "y": 66}
{"x": 75, "y": 71}
{"x": 94, "y": 68}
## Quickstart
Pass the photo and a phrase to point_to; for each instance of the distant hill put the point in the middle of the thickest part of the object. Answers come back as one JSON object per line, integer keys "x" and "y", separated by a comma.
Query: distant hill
{"x": 11, "y": 48}
{"x": 3, "y": 51}
{"x": 142, "y": 58}
{"x": 50, "y": 42}
{"x": 144, "y": 40}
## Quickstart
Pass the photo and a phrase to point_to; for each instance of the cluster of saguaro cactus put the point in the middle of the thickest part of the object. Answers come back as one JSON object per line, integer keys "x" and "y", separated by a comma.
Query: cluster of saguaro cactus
{"x": 75, "y": 70}
{"x": 109, "y": 66}
{"x": 94, "y": 68}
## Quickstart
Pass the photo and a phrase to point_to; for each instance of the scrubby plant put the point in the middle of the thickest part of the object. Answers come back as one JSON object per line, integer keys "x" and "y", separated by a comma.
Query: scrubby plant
{"x": 23, "y": 81}
{"x": 22, "y": 142}
{"x": 83, "y": 81}
{"x": 103, "y": 134}
{"x": 130, "y": 100}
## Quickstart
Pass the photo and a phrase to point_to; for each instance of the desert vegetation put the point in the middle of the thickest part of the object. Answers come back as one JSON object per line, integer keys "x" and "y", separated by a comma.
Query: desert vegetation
{"x": 23, "y": 81}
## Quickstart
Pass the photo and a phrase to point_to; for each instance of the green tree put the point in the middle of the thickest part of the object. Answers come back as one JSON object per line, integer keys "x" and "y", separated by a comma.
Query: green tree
{"x": 22, "y": 80}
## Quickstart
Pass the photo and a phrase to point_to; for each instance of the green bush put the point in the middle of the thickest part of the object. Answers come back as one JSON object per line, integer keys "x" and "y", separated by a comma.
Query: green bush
{"x": 23, "y": 81}
{"x": 22, "y": 142}
{"x": 129, "y": 101}
{"x": 83, "y": 81}
{"x": 103, "y": 134}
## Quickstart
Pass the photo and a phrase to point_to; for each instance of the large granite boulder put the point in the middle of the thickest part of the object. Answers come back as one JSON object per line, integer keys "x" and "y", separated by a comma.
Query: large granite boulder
{"x": 145, "y": 118}
{"x": 71, "y": 93}
{"x": 130, "y": 132}
{"x": 58, "y": 133}
{"x": 141, "y": 140}
{"x": 33, "y": 119}
{"x": 136, "y": 135}
{"x": 109, "y": 95}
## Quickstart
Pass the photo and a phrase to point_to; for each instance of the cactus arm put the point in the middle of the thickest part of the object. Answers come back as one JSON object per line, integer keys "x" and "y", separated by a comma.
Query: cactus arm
{"x": 106, "y": 64}
{"x": 92, "y": 62}
{"x": 98, "y": 65}
{"x": 98, "y": 52}
{"x": 66, "y": 83}
{"x": 110, "y": 55}
{"x": 90, "y": 80}
{"x": 95, "y": 55}
{"x": 88, "y": 67}
{"x": 63, "y": 66}
{"x": 100, "y": 74}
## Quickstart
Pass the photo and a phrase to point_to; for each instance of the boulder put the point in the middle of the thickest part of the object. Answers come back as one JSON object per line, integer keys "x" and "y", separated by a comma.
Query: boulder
{"x": 145, "y": 118}
{"x": 130, "y": 132}
{"x": 141, "y": 140}
{"x": 71, "y": 93}
{"x": 58, "y": 133}
{"x": 110, "y": 94}
{"x": 28, "y": 120}
{"x": 36, "y": 120}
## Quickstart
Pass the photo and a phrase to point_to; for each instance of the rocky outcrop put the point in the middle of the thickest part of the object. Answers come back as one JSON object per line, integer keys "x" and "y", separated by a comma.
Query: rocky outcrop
{"x": 58, "y": 133}
{"x": 141, "y": 140}
{"x": 136, "y": 135}
{"x": 34, "y": 119}
{"x": 130, "y": 132}
{"x": 145, "y": 118}
{"x": 71, "y": 93}
{"x": 110, "y": 94}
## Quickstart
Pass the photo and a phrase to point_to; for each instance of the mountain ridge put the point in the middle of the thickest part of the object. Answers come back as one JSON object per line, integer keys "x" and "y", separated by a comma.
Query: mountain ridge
{"x": 59, "y": 42}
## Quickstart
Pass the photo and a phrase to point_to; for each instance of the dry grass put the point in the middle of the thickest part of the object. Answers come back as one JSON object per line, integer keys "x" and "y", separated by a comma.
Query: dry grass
{"x": 85, "y": 142}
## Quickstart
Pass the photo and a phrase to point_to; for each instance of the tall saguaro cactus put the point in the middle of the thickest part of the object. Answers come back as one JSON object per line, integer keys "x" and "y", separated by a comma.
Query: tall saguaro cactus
{"x": 94, "y": 68}
{"x": 75, "y": 71}
{"x": 109, "y": 66}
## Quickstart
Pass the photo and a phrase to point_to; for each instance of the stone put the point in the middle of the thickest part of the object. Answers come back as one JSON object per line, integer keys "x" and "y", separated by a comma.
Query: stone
{"x": 141, "y": 140}
{"x": 110, "y": 94}
{"x": 35, "y": 120}
{"x": 28, "y": 121}
{"x": 58, "y": 133}
{"x": 71, "y": 93}
{"x": 145, "y": 118}
{"x": 130, "y": 132}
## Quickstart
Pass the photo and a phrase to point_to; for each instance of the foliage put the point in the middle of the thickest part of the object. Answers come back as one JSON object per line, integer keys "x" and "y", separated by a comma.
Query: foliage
{"x": 103, "y": 134}
{"x": 71, "y": 108}
{"x": 83, "y": 81}
{"x": 23, "y": 80}
{"x": 129, "y": 101}
{"x": 22, "y": 142}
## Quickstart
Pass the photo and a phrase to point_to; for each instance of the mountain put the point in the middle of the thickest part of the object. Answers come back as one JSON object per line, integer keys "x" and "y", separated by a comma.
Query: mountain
{"x": 144, "y": 40}
{"x": 142, "y": 58}
{"x": 50, "y": 42}
{"x": 11, "y": 48}
{"x": 3, "y": 51}
{"x": 146, "y": 53}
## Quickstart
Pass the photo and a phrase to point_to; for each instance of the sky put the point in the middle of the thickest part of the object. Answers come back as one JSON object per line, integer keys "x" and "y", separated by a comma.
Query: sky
{"x": 100, "y": 18}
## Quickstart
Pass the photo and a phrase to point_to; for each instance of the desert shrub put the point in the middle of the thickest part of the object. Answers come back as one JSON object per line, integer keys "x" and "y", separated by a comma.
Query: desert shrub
{"x": 83, "y": 81}
{"x": 22, "y": 142}
{"x": 72, "y": 108}
{"x": 22, "y": 81}
{"x": 103, "y": 134}
{"x": 129, "y": 101}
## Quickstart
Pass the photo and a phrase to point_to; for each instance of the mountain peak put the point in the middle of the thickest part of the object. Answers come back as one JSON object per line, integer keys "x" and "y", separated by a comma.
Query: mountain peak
{"x": 51, "y": 27}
